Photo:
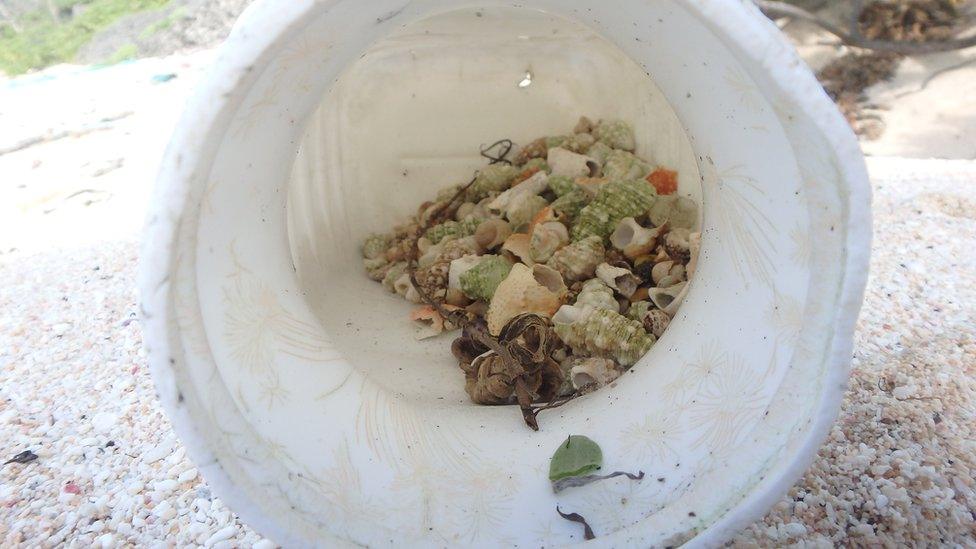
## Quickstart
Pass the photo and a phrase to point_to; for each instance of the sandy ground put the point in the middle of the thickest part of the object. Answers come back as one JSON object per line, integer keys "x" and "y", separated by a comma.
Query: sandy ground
{"x": 898, "y": 468}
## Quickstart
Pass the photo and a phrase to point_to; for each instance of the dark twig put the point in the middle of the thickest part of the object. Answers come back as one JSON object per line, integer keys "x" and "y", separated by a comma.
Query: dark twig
{"x": 853, "y": 37}
{"x": 22, "y": 458}
{"x": 573, "y": 482}
{"x": 576, "y": 517}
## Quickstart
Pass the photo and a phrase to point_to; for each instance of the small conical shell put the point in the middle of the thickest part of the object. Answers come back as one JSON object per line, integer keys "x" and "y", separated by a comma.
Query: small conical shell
{"x": 492, "y": 233}
{"x": 602, "y": 333}
{"x": 578, "y": 260}
{"x": 546, "y": 239}
{"x": 377, "y": 268}
{"x": 494, "y": 178}
{"x": 614, "y": 202}
{"x": 482, "y": 280}
{"x": 593, "y": 372}
{"x": 519, "y": 293}
{"x": 633, "y": 239}
{"x": 520, "y": 246}
{"x": 638, "y": 309}
{"x": 625, "y": 165}
{"x": 394, "y": 273}
{"x": 584, "y": 125}
{"x": 677, "y": 245}
{"x": 677, "y": 211}
{"x": 562, "y": 185}
{"x": 460, "y": 266}
{"x": 375, "y": 245}
{"x": 655, "y": 322}
{"x": 616, "y": 134}
{"x": 599, "y": 153}
{"x": 570, "y": 164}
{"x": 669, "y": 299}
{"x": 568, "y": 206}
{"x": 596, "y": 294}
{"x": 667, "y": 273}
{"x": 694, "y": 245}
{"x": 618, "y": 278}
{"x": 521, "y": 214}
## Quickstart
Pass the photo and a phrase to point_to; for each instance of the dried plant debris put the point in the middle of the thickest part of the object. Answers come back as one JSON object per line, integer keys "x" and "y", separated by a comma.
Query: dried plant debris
{"x": 22, "y": 458}
{"x": 578, "y": 518}
{"x": 561, "y": 263}
{"x": 846, "y": 79}
{"x": 910, "y": 20}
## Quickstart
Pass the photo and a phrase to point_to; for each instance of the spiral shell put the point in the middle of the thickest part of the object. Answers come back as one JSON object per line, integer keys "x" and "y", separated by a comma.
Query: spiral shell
{"x": 616, "y": 134}
{"x": 462, "y": 265}
{"x": 677, "y": 211}
{"x": 392, "y": 274}
{"x": 578, "y": 260}
{"x": 457, "y": 229}
{"x": 570, "y": 164}
{"x": 521, "y": 213}
{"x": 550, "y": 278}
{"x": 584, "y": 125}
{"x": 404, "y": 287}
{"x": 546, "y": 239}
{"x": 670, "y": 298}
{"x": 694, "y": 246}
{"x": 481, "y": 281}
{"x": 602, "y": 333}
{"x": 596, "y": 294}
{"x": 562, "y": 185}
{"x": 633, "y": 239}
{"x": 449, "y": 250}
{"x": 512, "y": 197}
{"x": 519, "y": 245}
{"x": 494, "y": 178}
{"x": 599, "y": 153}
{"x": 375, "y": 245}
{"x": 492, "y": 233}
{"x": 568, "y": 206}
{"x": 618, "y": 278}
{"x": 667, "y": 273}
{"x": 376, "y": 268}
{"x": 577, "y": 143}
{"x": 433, "y": 279}
{"x": 624, "y": 165}
{"x": 677, "y": 244}
{"x": 638, "y": 309}
{"x": 615, "y": 201}
{"x": 593, "y": 372}
{"x": 655, "y": 322}
{"x": 518, "y": 294}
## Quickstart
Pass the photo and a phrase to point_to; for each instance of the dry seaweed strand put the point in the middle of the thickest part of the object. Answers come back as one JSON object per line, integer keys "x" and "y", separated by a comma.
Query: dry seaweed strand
{"x": 525, "y": 344}
{"x": 578, "y": 518}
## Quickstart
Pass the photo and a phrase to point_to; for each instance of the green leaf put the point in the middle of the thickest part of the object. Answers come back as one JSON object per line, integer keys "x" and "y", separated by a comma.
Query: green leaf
{"x": 577, "y": 456}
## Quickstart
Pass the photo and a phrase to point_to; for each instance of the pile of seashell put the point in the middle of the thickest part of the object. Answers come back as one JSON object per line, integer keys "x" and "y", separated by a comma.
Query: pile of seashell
{"x": 575, "y": 228}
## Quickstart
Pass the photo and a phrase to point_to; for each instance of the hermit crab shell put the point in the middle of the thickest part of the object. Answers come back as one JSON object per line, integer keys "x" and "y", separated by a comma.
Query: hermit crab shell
{"x": 614, "y": 202}
{"x": 520, "y": 246}
{"x": 569, "y": 205}
{"x": 633, "y": 239}
{"x": 598, "y": 295}
{"x": 667, "y": 273}
{"x": 392, "y": 274}
{"x": 375, "y": 245}
{"x": 482, "y": 280}
{"x": 550, "y": 278}
{"x": 492, "y": 233}
{"x": 655, "y": 321}
{"x": 593, "y": 372}
{"x": 518, "y": 294}
{"x": 458, "y": 229}
{"x": 546, "y": 239}
{"x": 618, "y": 278}
{"x": 460, "y": 266}
{"x": 677, "y": 211}
{"x": 624, "y": 165}
{"x": 677, "y": 244}
{"x": 494, "y": 178}
{"x": 520, "y": 214}
{"x": 616, "y": 134}
{"x": 578, "y": 260}
{"x": 602, "y": 333}
{"x": 570, "y": 164}
{"x": 669, "y": 299}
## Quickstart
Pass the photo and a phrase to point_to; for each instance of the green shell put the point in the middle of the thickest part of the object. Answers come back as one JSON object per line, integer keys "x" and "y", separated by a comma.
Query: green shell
{"x": 457, "y": 229}
{"x": 598, "y": 295}
{"x": 578, "y": 456}
{"x": 375, "y": 245}
{"x": 625, "y": 165}
{"x": 578, "y": 143}
{"x": 481, "y": 281}
{"x": 521, "y": 213}
{"x": 535, "y": 163}
{"x": 680, "y": 212}
{"x": 446, "y": 194}
{"x": 578, "y": 260}
{"x": 599, "y": 152}
{"x": 494, "y": 178}
{"x": 395, "y": 272}
{"x": 638, "y": 309}
{"x": 569, "y": 205}
{"x": 376, "y": 268}
{"x": 562, "y": 185}
{"x": 607, "y": 334}
{"x": 616, "y": 134}
{"x": 614, "y": 201}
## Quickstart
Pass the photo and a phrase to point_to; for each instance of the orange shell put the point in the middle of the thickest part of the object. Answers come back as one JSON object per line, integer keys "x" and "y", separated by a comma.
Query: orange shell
{"x": 665, "y": 181}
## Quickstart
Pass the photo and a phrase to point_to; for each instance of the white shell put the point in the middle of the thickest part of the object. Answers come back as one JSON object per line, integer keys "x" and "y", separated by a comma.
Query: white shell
{"x": 460, "y": 266}
{"x": 633, "y": 239}
{"x": 570, "y": 164}
{"x": 667, "y": 273}
{"x": 492, "y": 233}
{"x": 546, "y": 239}
{"x": 593, "y": 371}
{"x": 618, "y": 278}
{"x": 531, "y": 186}
{"x": 668, "y": 299}
{"x": 520, "y": 293}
